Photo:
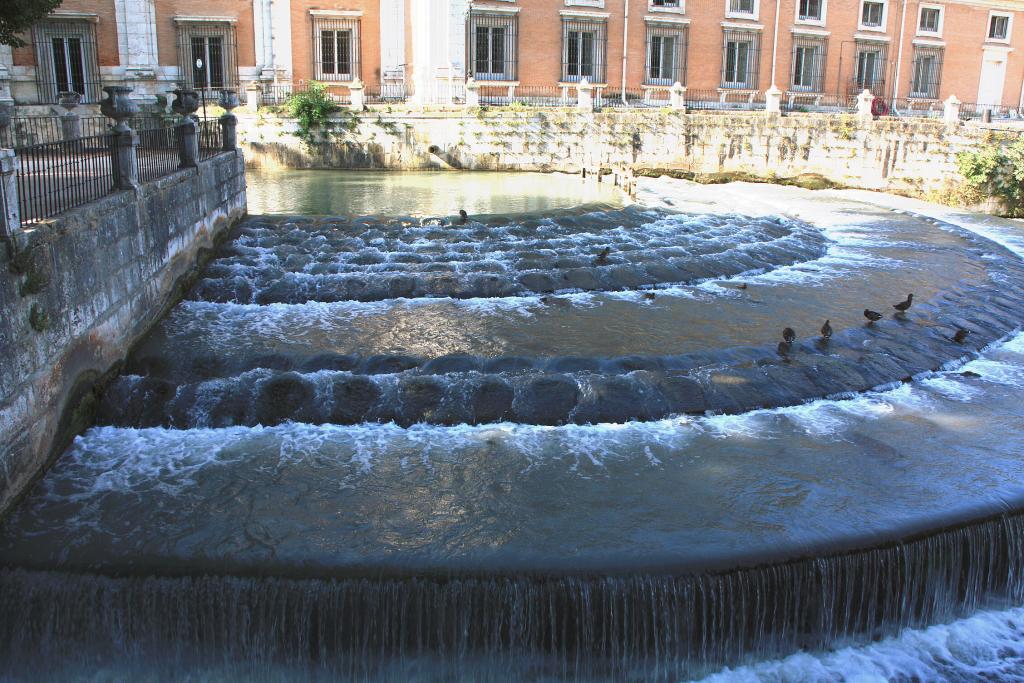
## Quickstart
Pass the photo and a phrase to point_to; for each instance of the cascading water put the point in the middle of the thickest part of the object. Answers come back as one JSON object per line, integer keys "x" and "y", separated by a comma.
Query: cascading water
{"x": 397, "y": 449}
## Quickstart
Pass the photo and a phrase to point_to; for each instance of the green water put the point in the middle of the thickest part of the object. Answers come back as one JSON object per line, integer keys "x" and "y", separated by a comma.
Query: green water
{"x": 421, "y": 193}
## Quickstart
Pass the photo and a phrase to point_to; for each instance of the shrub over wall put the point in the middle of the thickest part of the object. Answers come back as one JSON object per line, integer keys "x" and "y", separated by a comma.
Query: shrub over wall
{"x": 998, "y": 171}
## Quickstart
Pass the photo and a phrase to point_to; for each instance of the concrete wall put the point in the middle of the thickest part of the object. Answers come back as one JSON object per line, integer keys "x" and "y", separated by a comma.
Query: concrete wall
{"x": 909, "y": 156}
{"x": 77, "y": 291}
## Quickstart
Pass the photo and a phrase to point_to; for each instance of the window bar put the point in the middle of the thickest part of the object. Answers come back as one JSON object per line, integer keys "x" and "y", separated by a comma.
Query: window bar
{"x": 666, "y": 55}
{"x": 808, "y": 65}
{"x": 66, "y": 60}
{"x": 336, "y": 51}
{"x": 492, "y": 46}
{"x": 208, "y": 56}
{"x": 741, "y": 57}
{"x": 583, "y": 50}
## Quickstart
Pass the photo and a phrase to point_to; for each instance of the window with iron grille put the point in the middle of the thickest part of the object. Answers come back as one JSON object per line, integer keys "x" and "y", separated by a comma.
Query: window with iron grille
{"x": 871, "y": 14}
{"x": 207, "y": 55}
{"x": 926, "y": 73}
{"x": 808, "y": 64}
{"x": 869, "y": 68}
{"x": 665, "y": 3}
{"x": 583, "y": 50}
{"x": 929, "y": 20}
{"x": 66, "y": 60}
{"x": 336, "y": 48}
{"x": 492, "y": 42}
{"x": 666, "y": 54}
{"x": 741, "y": 52}
{"x": 741, "y": 6}
{"x": 810, "y": 10}
{"x": 999, "y": 27}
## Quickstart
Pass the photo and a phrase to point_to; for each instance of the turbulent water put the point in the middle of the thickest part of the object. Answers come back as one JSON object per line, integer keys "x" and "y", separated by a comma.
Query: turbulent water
{"x": 397, "y": 448}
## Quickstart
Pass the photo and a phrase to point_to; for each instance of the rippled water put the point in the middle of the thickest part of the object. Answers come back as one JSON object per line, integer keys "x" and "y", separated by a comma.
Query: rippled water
{"x": 281, "y": 422}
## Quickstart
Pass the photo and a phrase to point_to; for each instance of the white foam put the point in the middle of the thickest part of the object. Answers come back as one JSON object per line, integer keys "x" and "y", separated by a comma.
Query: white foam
{"x": 985, "y": 647}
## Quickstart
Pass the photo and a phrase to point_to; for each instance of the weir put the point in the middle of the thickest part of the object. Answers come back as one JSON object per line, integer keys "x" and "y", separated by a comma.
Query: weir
{"x": 387, "y": 448}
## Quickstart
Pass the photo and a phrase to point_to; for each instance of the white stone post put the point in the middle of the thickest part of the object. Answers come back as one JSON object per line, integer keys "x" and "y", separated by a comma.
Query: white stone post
{"x": 10, "y": 221}
{"x": 585, "y": 96}
{"x": 678, "y": 96}
{"x": 773, "y": 100}
{"x": 253, "y": 92}
{"x": 951, "y": 114}
{"x": 358, "y": 96}
{"x": 472, "y": 93}
{"x": 6, "y": 66}
{"x": 864, "y": 102}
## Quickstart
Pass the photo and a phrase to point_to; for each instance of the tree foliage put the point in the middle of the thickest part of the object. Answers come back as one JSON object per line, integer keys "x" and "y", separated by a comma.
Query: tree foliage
{"x": 998, "y": 171}
{"x": 315, "y": 109}
{"x": 17, "y": 16}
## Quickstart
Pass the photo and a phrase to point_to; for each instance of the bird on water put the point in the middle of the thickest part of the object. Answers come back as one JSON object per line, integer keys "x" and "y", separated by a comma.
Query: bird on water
{"x": 602, "y": 258}
{"x": 789, "y": 335}
{"x": 872, "y": 316}
{"x": 463, "y": 217}
{"x": 649, "y": 296}
{"x": 961, "y": 335}
{"x": 826, "y": 330}
{"x": 904, "y": 306}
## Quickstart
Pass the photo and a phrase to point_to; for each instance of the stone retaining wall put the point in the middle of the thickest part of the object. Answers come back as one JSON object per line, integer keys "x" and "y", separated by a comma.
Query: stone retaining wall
{"x": 909, "y": 156}
{"x": 77, "y": 291}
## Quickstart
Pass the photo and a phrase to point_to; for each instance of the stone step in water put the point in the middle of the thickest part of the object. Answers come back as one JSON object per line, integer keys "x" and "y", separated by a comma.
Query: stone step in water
{"x": 327, "y": 261}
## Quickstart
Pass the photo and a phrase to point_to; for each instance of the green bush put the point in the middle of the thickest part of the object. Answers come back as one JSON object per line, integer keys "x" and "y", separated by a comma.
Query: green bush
{"x": 998, "y": 171}
{"x": 316, "y": 109}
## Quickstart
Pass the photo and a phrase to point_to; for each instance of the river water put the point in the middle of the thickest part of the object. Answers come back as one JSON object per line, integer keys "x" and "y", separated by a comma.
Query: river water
{"x": 487, "y": 476}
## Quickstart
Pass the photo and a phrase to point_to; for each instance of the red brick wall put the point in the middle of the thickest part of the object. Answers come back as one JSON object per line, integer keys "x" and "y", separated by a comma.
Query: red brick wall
{"x": 369, "y": 36}
{"x": 106, "y": 32}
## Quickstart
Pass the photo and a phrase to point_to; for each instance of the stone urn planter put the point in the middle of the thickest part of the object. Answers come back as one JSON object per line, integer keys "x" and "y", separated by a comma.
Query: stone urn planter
{"x": 186, "y": 102}
{"x": 228, "y": 100}
{"x": 118, "y": 106}
{"x": 69, "y": 100}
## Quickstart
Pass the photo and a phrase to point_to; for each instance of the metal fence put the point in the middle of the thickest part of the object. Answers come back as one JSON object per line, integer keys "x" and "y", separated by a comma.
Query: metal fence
{"x": 632, "y": 99}
{"x": 36, "y": 130}
{"x": 211, "y": 139}
{"x": 157, "y": 152}
{"x": 386, "y": 93}
{"x": 57, "y": 176}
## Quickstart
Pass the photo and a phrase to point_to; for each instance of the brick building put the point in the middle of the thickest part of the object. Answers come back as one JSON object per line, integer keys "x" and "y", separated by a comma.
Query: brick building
{"x": 813, "y": 50}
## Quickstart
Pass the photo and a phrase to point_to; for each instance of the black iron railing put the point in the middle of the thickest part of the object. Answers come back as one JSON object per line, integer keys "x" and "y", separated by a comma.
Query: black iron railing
{"x": 211, "y": 139}
{"x": 157, "y": 152}
{"x": 386, "y": 93}
{"x": 57, "y": 176}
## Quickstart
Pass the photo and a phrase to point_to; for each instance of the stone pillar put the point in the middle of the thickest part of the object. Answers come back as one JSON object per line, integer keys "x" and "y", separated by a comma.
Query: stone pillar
{"x": 187, "y": 133}
{"x": 951, "y": 113}
{"x": 126, "y": 163}
{"x": 70, "y": 124}
{"x": 472, "y": 93}
{"x": 6, "y": 67}
{"x": 585, "y": 96}
{"x": 357, "y": 91}
{"x": 773, "y": 100}
{"x": 253, "y": 92}
{"x": 229, "y": 122}
{"x": 678, "y": 96}
{"x": 865, "y": 100}
{"x": 136, "y": 42}
{"x": 10, "y": 221}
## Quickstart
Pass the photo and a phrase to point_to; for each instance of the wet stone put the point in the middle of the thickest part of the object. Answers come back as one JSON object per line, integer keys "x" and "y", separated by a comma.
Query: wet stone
{"x": 492, "y": 401}
{"x": 573, "y": 364}
{"x": 136, "y": 402}
{"x": 538, "y": 282}
{"x": 682, "y": 395}
{"x": 283, "y": 398}
{"x": 546, "y": 400}
{"x": 617, "y": 400}
{"x": 419, "y": 400}
{"x": 352, "y": 398}
{"x": 451, "y": 364}
{"x": 508, "y": 364}
{"x": 330, "y": 361}
{"x": 384, "y": 365}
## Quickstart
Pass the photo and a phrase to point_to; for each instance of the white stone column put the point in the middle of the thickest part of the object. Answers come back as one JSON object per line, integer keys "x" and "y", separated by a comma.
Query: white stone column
{"x": 864, "y": 102}
{"x": 136, "y": 42}
{"x": 10, "y": 221}
{"x": 678, "y": 96}
{"x": 585, "y": 96}
{"x": 951, "y": 113}
{"x": 472, "y": 93}
{"x": 357, "y": 93}
{"x": 773, "y": 100}
{"x": 6, "y": 71}
{"x": 392, "y": 41}
{"x": 272, "y": 34}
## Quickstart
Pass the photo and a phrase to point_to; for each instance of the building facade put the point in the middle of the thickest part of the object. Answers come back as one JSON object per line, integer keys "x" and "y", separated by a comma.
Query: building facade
{"x": 814, "y": 51}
